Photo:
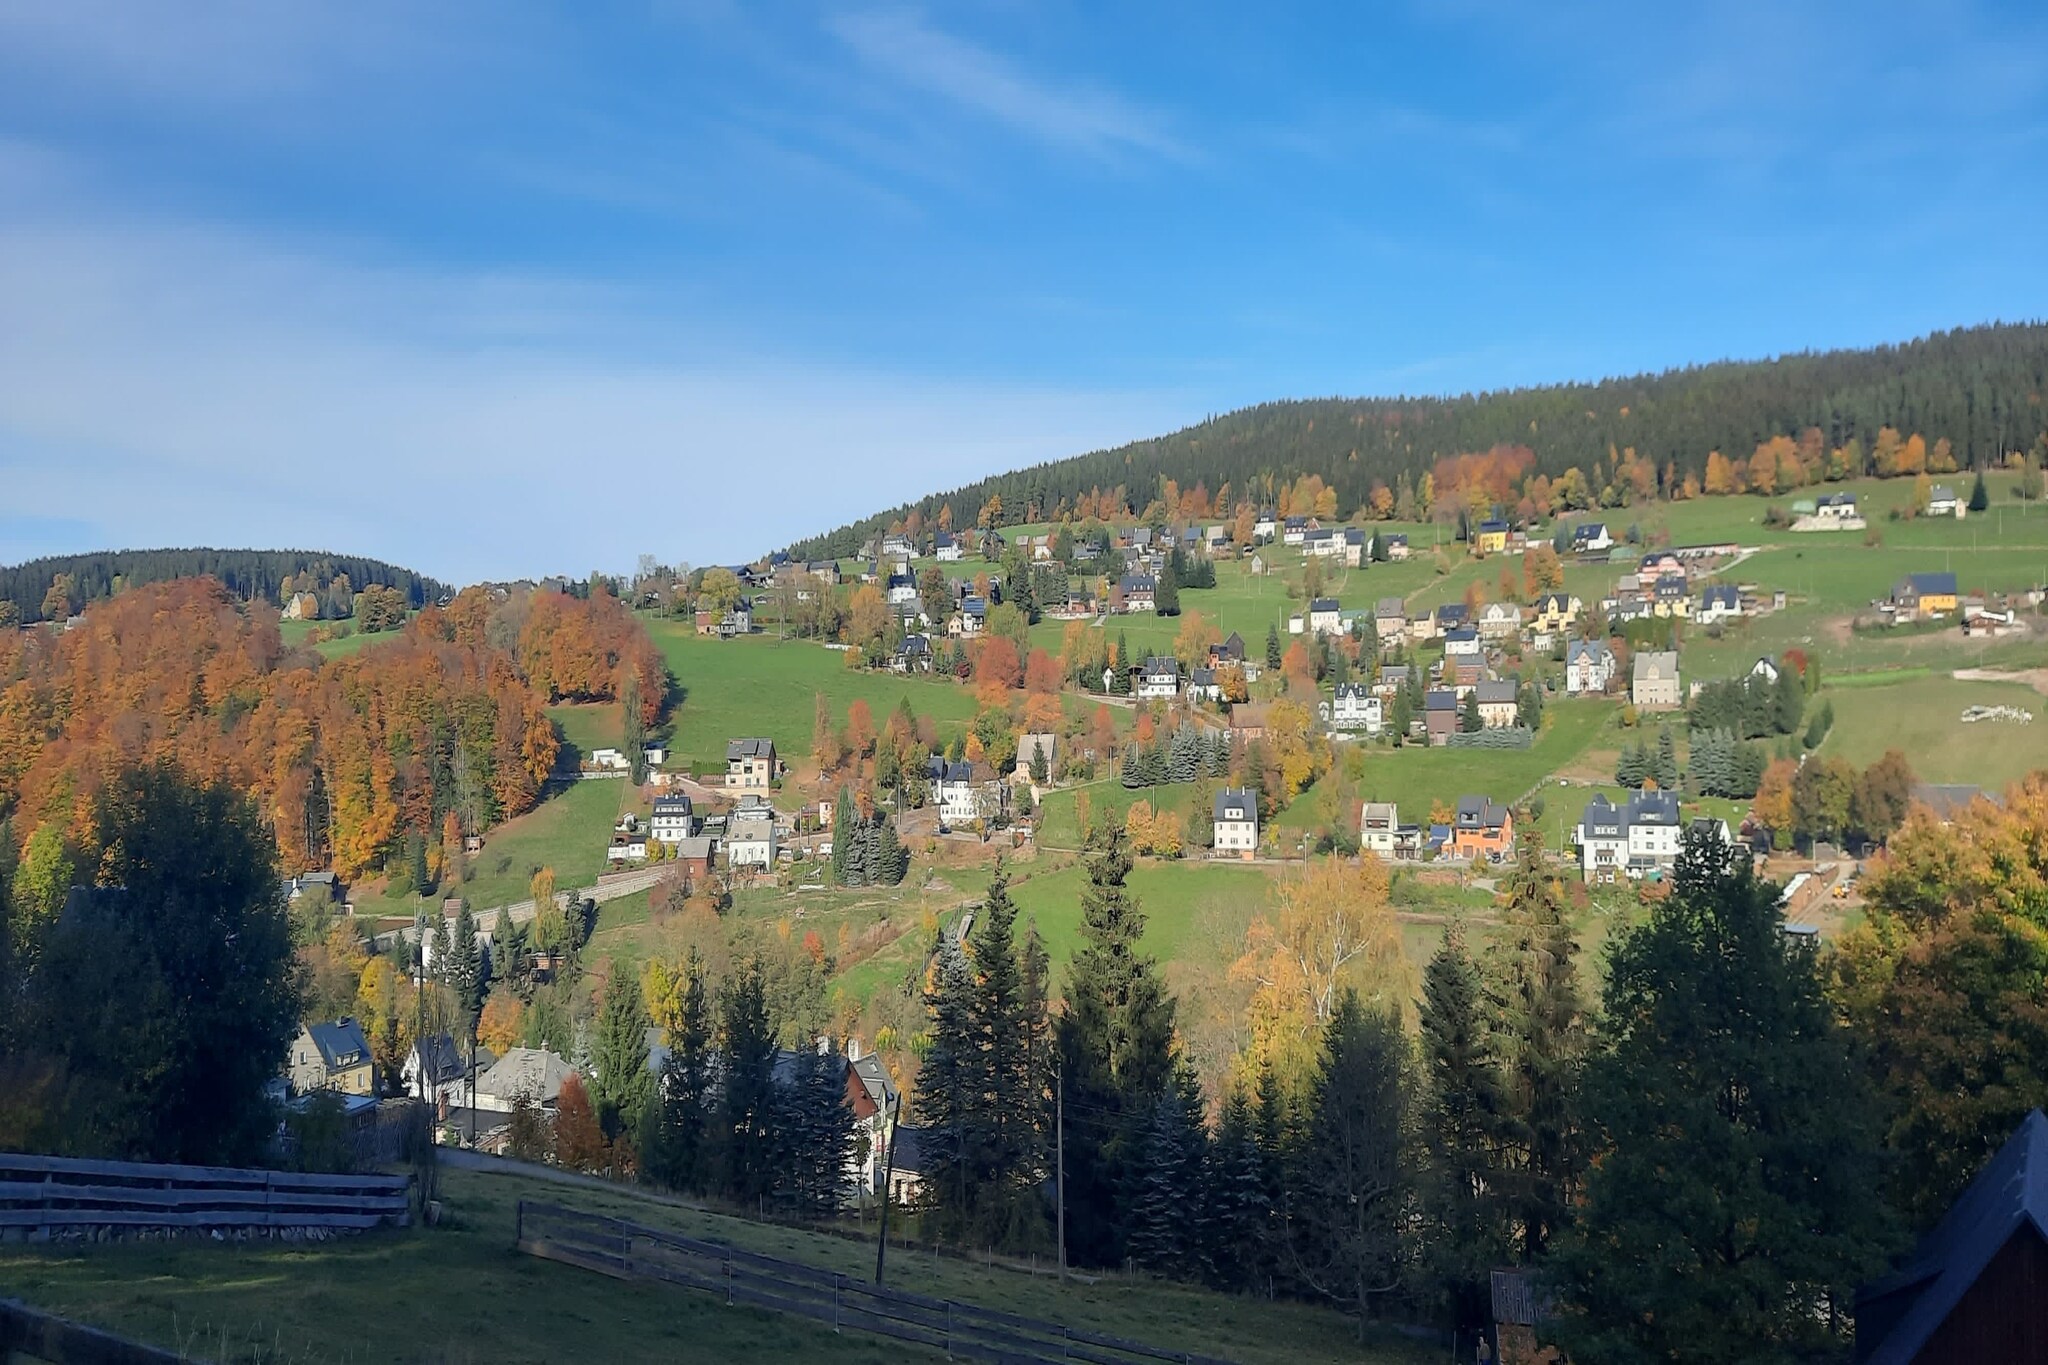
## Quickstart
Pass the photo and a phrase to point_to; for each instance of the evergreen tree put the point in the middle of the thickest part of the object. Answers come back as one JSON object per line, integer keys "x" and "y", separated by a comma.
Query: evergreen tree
{"x": 1400, "y": 717}
{"x": 890, "y": 862}
{"x": 620, "y": 1057}
{"x": 814, "y": 1128}
{"x": 1469, "y": 719}
{"x": 1166, "y": 592}
{"x": 674, "y": 1145}
{"x": 1116, "y": 1049}
{"x": 1666, "y": 769}
{"x": 745, "y": 1141}
{"x": 1463, "y": 1110}
{"x": 1537, "y": 1018}
{"x": 1166, "y": 1233}
{"x": 416, "y": 862}
{"x": 1980, "y": 497}
{"x": 1731, "y": 1214}
{"x": 1008, "y": 1136}
{"x": 949, "y": 1096}
{"x": 466, "y": 973}
{"x": 842, "y": 838}
{"x": 1788, "y": 703}
{"x": 1350, "y": 1203}
{"x": 1237, "y": 1199}
{"x": 633, "y": 727}
{"x": 1272, "y": 648}
{"x": 1041, "y": 767}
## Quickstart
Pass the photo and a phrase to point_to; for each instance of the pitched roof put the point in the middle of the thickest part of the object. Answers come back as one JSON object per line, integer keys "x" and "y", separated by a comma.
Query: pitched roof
{"x": 1236, "y": 798}
{"x": 2008, "y": 1195}
{"x": 1931, "y": 584}
{"x": 737, "y": 749}
{"x": 1480, "y": 812}
{"x": 1593, "y": 650}
{"x": 1494, "y": 693}
{"x": 1359, "y": 690}
{"x": 1662, "y": 663}
{"x": 341, "y": 1043}
{"x": 529, "y": 1071}
{"x": 1323, "y": 604}
{"x": 1722, "y": 594}
{"x": 1136, "y": 582}
{"x": 1391, "y": 606}
{"x": 1162, "y": 663}
{"x": 1440, "y": 699}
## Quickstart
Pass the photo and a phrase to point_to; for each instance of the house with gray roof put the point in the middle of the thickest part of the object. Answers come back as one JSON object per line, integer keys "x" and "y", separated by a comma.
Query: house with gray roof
{"x": 332, "y": 1056}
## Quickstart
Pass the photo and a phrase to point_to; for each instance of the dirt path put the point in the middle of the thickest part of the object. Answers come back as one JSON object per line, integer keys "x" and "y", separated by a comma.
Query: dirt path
{"x": 2036, "y": 678}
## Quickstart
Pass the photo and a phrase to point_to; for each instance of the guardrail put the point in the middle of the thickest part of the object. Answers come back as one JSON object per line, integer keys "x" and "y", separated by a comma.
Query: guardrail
{"x": 29, "y": 1333}
{"x": 43, "y": 1194}
{"x": 628, "y": 1250}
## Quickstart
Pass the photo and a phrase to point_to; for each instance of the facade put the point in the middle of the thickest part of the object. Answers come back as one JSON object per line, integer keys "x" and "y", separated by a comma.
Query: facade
{"x": 523, "y": 1072}
{"x": 1134, "y": 592}
{"x": 1355, "y": 707}
{"x": 1202, "y": 685}
{"x": 1463, "y": 641}
{"x": 1498, "y": 620}
{"x": 1440, "y": 715}
{"x": 750, "y": 764}
{"x": 1556, "y": 611}
{"x": 1237, "y": 823}
{"x": 674, "y": 819}
{"x": 1482, "y": 828}
{"x": 1942, "y": 502}
{"x": 1637, "y": 838}
{"x": 1720, "y": 602}
{"x": 946, "y": 549}
{"x": 334, "y": 1057}
{"x": 1653, "y": 684}
{"x": 1158, "y": 679}
{"x": 1325, "y": 616}
{"x": 1591, "y": 536}
{"x": 1390, "y": 621}
{"x": 1925, "y": 596}
{"x": 1499, "y": 704}
{"x": 1397, "y": 546}
{"x": 1491, "y": 537}
{"x": 914, "y": 655}
{"x": 750, "y": 840}
{"x": 1379, "y": 825}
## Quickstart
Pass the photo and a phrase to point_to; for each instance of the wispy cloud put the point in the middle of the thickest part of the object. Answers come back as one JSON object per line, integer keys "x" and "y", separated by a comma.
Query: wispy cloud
{"x": 188, "y": 384}
{"x": 1100, "y": 123}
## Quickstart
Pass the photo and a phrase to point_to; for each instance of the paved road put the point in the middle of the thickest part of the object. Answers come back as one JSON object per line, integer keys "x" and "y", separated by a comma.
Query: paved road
{"x": 611, "y": 889}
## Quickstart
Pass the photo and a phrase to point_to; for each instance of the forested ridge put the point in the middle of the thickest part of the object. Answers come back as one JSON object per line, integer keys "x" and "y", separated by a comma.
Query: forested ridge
{"x": 1981, "y": 388}
{"x": 248, "y": 574}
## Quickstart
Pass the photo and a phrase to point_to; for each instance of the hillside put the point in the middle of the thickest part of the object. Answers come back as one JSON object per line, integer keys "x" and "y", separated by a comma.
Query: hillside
{"x": 248, "y": 574}
{"x": 1979, "y": 387}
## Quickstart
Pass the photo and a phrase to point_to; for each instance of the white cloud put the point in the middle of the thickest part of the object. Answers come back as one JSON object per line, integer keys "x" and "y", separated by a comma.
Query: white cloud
{"x": 184, "y": 385}
{"x": 1100, "y": 123}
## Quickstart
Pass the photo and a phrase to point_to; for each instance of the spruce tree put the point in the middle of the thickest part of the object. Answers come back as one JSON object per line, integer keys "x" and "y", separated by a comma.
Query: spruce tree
{"x": 466, "y": 976}
{"x": 1463, "y": 1108}
{"x": 949, "y": 1096}
{"x": 1788, "y": 702}
{"x": 1730, "y": 1214}
{"x": 1116, "y": 1051}
{"x": 1166, "y": 592}
{"x": 1469, "y": 719}
{"x": 745, "y": 1141}
{"x": 814, "y": 1129}
{"x": 623, "y": 1081}
{"x": 889, "y": 862}
{"x": 1237, "y": 1199}
{"x": 1537, "y": 1016}
{"x": 674, "y": 1152}
{"x": 842, "y": 837}
{"x": 1980, "y": 497}
{"x": 416, "y": 862}
{"x": 1666, "y": 769}
{"x": 1166, "y": 1233}
{"x": 633, "y": 728}
{"x": 1008, "y": 1138}
{"x": 1347, "y": 1211}
{"x": 1273, "y": 648}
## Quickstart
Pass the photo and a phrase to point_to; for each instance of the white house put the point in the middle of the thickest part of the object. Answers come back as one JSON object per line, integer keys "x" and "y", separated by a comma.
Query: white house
{"x": 1720, "y": 602}
{"x": 609, "y": 760}
{"x": 1325, "y": 616}
{"x": 1266, "y": 527}
{"x": 528, "y": 1072}
{"x": 1378, "y": 827}
{"x": 1591, "y": 536}
{"x": 1634, "y": 839}
{"x": 1461, "y": 643}
{"x": 1159, "y": 679}
{"x": 1322, "y": 544}
{"x": 1237, "y": 823}
{"x": 1765, "y": 669}
{"x": 1294, "y": 531}
{"x": 1654, "y": 682}
{"x": 674, "y": 819}
{"x": 1202, "y": 685}
{"x": 750, "y": 764}
{"x": 902, "y": 590}
{"x": 750, "y": 840}
{"x": 1498, "y": 620}
{"x": 963, "y": 793}
{"x": 1357, "y": 707}
{"x": 946, "y": 548}
{"x": 1942, "y": 502}
{"x": 1588, "y": 668}
{"x": 1839, "y": 507}
{"x": 1357, "y": 547}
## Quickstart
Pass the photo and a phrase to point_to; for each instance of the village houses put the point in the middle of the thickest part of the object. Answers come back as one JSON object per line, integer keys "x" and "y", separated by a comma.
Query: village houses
{"x": 1237, "y": 823}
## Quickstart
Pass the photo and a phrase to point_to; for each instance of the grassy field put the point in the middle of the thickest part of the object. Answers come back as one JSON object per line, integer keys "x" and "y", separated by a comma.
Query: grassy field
{"x": 1919, "y": 717}
{"x": 568, "y": 832}
{"x": 460, "y": 1293}
{"x": 764, "y": 686}
{"x": 300, "y": 632}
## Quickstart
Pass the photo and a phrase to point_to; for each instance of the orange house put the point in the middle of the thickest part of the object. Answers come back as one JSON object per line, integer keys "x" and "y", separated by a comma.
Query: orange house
{"x": 1483, "y": 829}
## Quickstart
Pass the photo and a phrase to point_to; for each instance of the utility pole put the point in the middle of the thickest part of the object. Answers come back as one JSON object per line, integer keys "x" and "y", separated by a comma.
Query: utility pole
{"x": 888, "y": 1164}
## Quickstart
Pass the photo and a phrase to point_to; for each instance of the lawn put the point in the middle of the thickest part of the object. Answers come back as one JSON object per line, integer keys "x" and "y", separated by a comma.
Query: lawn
{"x": 596, "y": 725}
{"x": 461, "y": 1293}
{"x": 1417, "y": 778}
{"x": 1919, "y": 717}
{"x": 568, "y": 832}
{"x": 299, "y": 632}
{"x": 766, "y": 686}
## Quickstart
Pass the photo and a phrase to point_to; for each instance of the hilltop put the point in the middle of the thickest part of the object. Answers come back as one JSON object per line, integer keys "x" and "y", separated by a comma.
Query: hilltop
{"x": 1980, "y": 387}
{"x": 248, "y": 574}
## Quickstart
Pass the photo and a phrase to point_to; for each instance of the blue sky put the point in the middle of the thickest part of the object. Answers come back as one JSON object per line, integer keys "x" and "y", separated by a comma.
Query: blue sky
{"x": 497, "y": 288}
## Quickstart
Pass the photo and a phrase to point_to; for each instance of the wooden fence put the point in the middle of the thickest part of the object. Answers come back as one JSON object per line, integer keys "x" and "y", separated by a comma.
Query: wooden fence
{"x": 30, "y": 1333}
{"x": 43, "y": 1194}
{"x": 627, "y": 1250}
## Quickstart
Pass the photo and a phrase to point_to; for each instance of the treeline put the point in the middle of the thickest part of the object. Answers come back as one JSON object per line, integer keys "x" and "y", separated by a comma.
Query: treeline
{"x": 251, "y": 575}
{"x": 357, "y": 762}
{"x": 1975, "y": 388}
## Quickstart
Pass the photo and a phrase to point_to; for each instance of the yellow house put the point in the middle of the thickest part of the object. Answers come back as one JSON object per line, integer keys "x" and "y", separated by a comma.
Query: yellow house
{"x": 333, "y": 1056}
{"x": 1925, "y": 595}
{"x": 1556, "y": 611}
{"x": 1491, "y": 538}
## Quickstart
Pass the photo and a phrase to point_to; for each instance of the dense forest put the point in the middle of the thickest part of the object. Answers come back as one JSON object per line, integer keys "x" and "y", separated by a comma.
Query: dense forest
{"x": 247, "y": 574}
{"x": 441, "y": 730}
{"x": 1978, "y": 389}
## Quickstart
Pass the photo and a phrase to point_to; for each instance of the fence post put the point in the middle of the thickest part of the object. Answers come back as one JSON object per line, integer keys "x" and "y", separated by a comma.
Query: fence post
{"x": 626, "y": 1247}
{"x": 519, "y": 1224}
{"x": 1066, "y": 1338}
{"x": 949, "y": 1329}
{"x": 728, "y": 1277}
{"x": 836, "y": 1280}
